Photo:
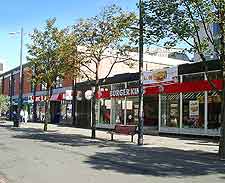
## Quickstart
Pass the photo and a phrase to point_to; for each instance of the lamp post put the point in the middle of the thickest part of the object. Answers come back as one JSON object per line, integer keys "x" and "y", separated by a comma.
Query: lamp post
{"x": 141, "y": 91}
{"x": 20, "y": 102}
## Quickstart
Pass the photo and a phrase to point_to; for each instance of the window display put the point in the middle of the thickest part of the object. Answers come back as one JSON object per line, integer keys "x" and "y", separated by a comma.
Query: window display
{"x": 170, "y": 110}
{"x": 193, "y": 110}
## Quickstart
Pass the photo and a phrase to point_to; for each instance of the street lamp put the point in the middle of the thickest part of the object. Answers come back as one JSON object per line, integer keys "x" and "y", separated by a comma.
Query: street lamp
{"x": 141, "y": 91}
{"x": 20, "y": 102}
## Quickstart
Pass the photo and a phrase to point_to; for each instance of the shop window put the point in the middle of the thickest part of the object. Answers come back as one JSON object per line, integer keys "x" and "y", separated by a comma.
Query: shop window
{"x": 131, "y": 105}
{"x": 118, "y": 110}
{"x": 214, "y": 110}
{"x": 193, "y": 110}
{"x": 170, "y": 110}
{"x": 193, "y": 77}
{"x": 105, "y": 111}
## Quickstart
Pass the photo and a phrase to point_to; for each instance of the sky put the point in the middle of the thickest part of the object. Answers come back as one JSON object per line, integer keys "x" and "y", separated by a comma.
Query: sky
{"x": 31, "y": 14}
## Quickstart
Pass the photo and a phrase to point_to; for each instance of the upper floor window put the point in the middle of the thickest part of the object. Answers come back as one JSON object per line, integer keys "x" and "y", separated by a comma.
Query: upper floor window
{"x": 43, "y": 86}
{"x": 59, "y": 82}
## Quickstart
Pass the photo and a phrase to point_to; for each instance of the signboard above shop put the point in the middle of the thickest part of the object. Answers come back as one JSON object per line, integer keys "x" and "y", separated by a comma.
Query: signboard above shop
{"x": 161, "y": 76}
{"x": 124, "y": 92}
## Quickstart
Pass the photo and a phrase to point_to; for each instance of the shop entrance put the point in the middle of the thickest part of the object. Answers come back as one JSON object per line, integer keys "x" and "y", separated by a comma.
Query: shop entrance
{"x": 151, "y": 111}
{"x": 55, "y": 111}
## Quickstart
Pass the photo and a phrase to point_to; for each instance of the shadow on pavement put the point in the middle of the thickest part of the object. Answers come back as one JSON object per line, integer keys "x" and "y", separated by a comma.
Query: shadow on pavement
{"x": 23, "y": 129}
{"x": 132, "y": 159}
{"x": 157, "y": 161}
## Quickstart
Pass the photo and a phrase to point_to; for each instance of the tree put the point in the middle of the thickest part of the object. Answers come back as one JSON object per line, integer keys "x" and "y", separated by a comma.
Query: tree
{"x": 72, "y": 59}
{"x": 4, "y": 104}
{"x": 175, "y": 22}
{"x": 104, "y": 37}
{"x": 45, "y": 57}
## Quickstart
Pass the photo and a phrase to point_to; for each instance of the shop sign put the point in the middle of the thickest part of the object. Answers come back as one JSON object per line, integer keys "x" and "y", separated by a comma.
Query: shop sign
{"x": 161, "y": 75}
{"x": 88, "y": 94}
{"x": 68, "y": 95}
{"x": 193, "y": 108}
{"x": 124, "y": 92}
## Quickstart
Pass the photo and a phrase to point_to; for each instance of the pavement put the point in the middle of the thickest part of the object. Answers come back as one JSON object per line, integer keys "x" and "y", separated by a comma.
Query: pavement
{"x": 66, "y": 154}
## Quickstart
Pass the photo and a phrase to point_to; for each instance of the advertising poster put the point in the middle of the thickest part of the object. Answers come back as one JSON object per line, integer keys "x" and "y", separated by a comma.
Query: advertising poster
{"x": 193, "y": 108}
{"x": 161, "y": 75}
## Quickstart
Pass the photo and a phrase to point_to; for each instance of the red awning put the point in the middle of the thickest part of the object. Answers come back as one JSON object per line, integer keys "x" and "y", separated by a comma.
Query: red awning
{"x": 56, "y": 97}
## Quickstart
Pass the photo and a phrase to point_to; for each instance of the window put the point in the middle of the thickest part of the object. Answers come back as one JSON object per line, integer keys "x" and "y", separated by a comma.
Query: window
{"x": 170, "y": 110}
{"x": 215, "y": 75}
{"x": 214, "y": 110}
{"x": 32, "y": 86}
{"x": 193, "y": 77}
{"x": 193, "y": 110}
{"x": 59, "y": 82}
{"x": 43, "y": 86}
{"x": 216, "y": 29}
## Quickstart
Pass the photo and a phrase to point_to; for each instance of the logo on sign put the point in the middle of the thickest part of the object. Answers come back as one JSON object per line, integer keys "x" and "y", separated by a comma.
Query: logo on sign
{"x": 124, "y": 92}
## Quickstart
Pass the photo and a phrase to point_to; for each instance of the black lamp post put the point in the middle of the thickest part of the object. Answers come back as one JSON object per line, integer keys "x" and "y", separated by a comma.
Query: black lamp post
{"x": 141, "y": 91}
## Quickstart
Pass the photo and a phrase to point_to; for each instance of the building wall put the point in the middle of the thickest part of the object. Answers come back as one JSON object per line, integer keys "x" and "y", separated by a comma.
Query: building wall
{"x": 27, "y": 74}
{"x": 16, "y": 78}
{"x": 6, "y": 86}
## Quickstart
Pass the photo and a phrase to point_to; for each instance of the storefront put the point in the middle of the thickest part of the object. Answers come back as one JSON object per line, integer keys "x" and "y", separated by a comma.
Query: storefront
{"x": 179, "y": 101}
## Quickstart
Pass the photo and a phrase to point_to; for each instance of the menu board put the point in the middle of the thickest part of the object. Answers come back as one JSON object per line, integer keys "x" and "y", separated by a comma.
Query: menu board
{"x": 193, "y": 108}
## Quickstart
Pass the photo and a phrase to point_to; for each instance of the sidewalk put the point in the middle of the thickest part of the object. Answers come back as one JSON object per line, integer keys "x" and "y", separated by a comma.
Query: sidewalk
{"x": 179, "y": 143}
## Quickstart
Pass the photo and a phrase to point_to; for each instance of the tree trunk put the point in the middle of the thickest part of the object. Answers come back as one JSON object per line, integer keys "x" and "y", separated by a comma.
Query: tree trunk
{"x": 34, "y": 117}
{"x": 222, "y": 132}
{"x": 93, "y": 100}
{"x": 74, "y": 102}
{"x": 46, "y": 109}
{"x": 93, "y": 134}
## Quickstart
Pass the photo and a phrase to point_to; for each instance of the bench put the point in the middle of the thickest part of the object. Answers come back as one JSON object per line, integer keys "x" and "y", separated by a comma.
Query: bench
{"x": 124, "y": 130}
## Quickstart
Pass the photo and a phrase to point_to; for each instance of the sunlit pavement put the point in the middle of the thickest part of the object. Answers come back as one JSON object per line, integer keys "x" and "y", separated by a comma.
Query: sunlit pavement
{"x": 65, "y": 154}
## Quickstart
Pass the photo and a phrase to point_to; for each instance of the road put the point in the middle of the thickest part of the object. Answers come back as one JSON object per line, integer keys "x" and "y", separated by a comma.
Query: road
{"x": 27, "y": 155}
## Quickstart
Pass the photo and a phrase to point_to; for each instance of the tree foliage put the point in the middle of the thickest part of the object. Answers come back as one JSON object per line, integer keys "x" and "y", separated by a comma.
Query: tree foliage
{"x": 190, "y": 22}
{"x": 46, "y": 53}
{"x": 4, "y": 103}
{"x": 105, "y": 36}
{"x": 47, "y": 57}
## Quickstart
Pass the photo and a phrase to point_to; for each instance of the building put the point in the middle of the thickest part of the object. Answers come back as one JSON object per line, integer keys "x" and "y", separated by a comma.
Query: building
{"x": 61, "y": 99}
{"x": 177, "y": 100}
{"x": 212, "y": 31}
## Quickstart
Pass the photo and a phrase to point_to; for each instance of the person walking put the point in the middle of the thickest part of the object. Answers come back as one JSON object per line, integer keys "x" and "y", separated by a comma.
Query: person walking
{"x": 26, "y": 116}
{"x": 22, "y": 116}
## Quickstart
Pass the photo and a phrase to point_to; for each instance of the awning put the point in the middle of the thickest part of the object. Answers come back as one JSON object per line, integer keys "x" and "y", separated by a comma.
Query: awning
{"x": 56, "y": 97}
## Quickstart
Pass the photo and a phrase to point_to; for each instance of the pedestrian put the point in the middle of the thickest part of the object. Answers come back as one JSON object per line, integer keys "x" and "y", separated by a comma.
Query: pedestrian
{"x": 26, "y": 115}
{"x": 21, "y": 115}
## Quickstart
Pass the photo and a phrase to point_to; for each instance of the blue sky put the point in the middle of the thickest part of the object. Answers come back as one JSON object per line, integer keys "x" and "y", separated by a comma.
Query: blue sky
{"x": 33, "y": 13}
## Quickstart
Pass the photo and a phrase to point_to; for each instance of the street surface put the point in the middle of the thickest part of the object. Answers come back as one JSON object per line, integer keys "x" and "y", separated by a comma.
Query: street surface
{"x": 66, "y": 155}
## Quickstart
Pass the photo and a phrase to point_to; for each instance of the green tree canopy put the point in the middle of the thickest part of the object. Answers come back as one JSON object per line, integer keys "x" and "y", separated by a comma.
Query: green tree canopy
{"x": 190, "y": 22}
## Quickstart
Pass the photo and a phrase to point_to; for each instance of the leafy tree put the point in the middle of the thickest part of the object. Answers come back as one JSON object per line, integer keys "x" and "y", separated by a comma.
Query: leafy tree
{"x": 102, "y": 37}
{"x": 4, "y": 104}
{"x": 174, "y": 22}
{"x": 72, "y": 59}
{"x": 45, "y": 57}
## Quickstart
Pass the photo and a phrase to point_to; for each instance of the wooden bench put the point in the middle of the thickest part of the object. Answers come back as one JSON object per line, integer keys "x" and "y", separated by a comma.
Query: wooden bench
{"x": 124, "y": 130}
